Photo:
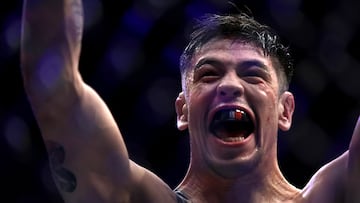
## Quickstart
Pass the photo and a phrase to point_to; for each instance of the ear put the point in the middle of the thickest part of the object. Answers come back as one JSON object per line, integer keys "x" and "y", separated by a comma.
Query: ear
{"x": 181, "y": 112}
{"x": 286, "y": 110}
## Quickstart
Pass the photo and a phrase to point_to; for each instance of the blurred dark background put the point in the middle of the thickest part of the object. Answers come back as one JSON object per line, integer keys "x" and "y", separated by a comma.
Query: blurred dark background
{"x": 130, "y": 56}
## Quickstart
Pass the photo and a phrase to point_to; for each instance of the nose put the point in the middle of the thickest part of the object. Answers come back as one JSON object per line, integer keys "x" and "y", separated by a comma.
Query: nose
{"x": 229, "y": 88}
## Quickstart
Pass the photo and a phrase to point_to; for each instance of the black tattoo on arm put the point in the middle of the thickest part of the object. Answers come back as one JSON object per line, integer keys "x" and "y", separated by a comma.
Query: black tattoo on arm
{"x": 64, "y": 178}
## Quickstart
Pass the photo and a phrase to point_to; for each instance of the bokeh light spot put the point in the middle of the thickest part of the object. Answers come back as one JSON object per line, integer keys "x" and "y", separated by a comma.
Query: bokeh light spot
{"x": 17, "y": 135}
{"x": 93, "y": 12}
{"x": 49, "y": 70}
{"x": 161, "y": 99}
{"x": 12, "y": 35}
{"x": 138, "y": 23}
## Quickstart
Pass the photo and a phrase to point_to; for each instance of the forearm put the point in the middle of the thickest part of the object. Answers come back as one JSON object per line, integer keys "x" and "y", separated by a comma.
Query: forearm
{"x": 50, "y": 47}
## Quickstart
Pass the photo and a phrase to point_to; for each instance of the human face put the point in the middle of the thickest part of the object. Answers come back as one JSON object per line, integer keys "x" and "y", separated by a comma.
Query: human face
{"x": 231, "y": 76}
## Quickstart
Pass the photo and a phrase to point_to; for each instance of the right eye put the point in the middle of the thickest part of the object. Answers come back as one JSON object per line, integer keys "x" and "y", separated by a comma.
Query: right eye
{"x": 206, "y": 74}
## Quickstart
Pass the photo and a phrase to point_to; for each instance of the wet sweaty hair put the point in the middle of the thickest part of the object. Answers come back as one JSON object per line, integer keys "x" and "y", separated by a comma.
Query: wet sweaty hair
{"x": 246, "y": 29}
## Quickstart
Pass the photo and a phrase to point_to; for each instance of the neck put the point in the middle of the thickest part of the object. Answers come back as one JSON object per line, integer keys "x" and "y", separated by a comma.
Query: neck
{"x": 257, "y": 186}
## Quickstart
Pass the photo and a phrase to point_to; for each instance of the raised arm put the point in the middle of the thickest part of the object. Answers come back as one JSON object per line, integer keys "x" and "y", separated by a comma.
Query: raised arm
{"x": 87, "y": 154}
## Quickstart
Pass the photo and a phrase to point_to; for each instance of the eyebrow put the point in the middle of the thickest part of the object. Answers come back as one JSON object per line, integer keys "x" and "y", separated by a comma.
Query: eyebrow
{"x": 243, "y": 64}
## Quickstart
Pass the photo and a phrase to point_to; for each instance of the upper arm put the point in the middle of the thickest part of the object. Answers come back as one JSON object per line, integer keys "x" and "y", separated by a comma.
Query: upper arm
{"x": 85, "y": 147}
{"x": 95, "y": 153}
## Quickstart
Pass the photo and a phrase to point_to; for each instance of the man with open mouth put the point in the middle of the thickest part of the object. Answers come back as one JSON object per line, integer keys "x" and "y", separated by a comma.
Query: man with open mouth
{"x": 235, "y": 75}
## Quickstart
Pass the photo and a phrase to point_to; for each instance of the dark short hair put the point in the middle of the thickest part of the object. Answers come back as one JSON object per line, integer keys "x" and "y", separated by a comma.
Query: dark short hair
{"x": 245, "y": 28}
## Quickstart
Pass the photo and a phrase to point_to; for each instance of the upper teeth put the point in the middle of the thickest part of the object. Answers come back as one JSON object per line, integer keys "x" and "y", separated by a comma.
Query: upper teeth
{"x": 231, "y": 115}
{"x": 237, "y": 114}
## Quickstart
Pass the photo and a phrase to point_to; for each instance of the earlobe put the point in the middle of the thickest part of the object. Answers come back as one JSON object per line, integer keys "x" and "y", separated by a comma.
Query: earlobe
{"x": 181, "y": 112}
{"x": 286, "y": 110}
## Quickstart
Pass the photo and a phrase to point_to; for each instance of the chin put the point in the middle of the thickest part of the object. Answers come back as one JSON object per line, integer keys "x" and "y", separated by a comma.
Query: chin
{"x": 236, "y": 167}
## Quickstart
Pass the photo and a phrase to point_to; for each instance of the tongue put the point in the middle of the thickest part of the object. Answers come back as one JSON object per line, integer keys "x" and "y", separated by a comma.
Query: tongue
{"x": 230, "y": 131}
{"x": 231, "y": 137}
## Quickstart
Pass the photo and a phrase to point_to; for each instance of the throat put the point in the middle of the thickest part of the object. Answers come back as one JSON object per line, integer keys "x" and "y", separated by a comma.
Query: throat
{"x": 254, "y": 188}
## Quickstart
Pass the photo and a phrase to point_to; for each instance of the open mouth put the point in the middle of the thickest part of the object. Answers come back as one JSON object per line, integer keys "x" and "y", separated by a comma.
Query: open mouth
{"x": 231, "y": 125}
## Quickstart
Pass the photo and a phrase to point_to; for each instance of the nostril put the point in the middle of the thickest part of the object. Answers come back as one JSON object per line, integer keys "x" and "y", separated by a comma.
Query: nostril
{"x": 229, "y": 91}
{"x": 233, "y": 93}
{"x": 236, "y": 93}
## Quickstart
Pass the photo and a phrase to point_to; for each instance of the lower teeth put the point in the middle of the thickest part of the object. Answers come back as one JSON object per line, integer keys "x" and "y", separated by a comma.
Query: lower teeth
{"x": 233, "y": 139}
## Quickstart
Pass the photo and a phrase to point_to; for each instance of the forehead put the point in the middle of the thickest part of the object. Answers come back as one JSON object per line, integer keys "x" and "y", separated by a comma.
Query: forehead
{"x": 232, "y": 51}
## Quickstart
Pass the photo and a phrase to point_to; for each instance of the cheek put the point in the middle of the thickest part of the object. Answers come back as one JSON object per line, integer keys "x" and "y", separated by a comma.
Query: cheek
{"x": 201, "y": 94}
{"x": 200, "y": 98}
{"x": 264, "y": 99}
{"x": 263, "y": 93}
{"x": 196, "y": 98}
